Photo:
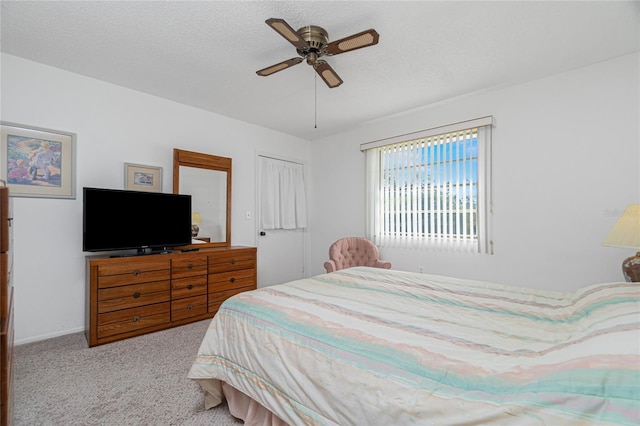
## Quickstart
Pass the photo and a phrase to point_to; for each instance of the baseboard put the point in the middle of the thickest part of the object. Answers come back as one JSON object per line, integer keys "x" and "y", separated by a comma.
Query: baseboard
{"x": 41, "y": 337}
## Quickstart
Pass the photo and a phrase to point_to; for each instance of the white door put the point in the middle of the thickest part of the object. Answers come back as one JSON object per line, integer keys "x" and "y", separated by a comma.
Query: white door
{"x": 280, "y": 251}
{"x": 280, "y": 256}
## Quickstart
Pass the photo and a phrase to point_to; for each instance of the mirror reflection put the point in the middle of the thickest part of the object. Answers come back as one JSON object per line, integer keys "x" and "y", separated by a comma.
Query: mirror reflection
{"x": 207, "y": 178}
{"x": 208, "y": 189}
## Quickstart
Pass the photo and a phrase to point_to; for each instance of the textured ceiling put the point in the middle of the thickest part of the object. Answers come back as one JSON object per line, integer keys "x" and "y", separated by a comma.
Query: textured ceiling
{"x": 205, "y": 53}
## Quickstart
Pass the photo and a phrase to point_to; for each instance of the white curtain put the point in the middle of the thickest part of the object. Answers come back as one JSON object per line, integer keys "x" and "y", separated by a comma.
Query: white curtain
{"x": 282, "y": 197}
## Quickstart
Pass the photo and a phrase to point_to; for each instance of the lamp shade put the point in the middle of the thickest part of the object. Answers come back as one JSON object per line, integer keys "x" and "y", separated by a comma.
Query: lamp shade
{"x": 196, "y": 219}
{"x": 626, "y": 231}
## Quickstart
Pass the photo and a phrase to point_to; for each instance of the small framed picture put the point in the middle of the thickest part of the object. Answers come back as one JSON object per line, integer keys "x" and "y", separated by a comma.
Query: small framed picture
{"x": 37, "y": 162}
{"x": 139, "y": 177}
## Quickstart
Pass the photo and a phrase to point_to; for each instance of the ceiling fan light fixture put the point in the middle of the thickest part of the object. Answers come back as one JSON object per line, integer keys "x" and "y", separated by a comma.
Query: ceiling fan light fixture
{"x": 312, "y": 58}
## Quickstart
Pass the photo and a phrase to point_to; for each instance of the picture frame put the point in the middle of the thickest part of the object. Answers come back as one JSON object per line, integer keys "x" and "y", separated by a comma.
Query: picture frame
{"x": 140, "y": 177}
{"x": 37, "y": 162}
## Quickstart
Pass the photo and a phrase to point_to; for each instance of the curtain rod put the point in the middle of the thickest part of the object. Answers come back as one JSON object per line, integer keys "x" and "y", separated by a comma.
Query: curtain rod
{"x": 280, "y": 159}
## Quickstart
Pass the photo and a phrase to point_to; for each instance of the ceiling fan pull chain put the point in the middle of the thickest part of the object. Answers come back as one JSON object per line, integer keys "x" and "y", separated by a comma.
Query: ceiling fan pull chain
{"x": 315, "y": 100}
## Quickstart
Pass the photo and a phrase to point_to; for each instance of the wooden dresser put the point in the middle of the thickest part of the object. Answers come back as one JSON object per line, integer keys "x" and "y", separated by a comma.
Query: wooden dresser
{"x": 6, "y": 309}
{"x": 130, "y": 296}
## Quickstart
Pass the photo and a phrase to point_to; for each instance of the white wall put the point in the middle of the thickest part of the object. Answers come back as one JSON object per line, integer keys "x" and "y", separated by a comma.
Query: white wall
{"x": 114, "y": 125}
{"x": 566, "y": 163}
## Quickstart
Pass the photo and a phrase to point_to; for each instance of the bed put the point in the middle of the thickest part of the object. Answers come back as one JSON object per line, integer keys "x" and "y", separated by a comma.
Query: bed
{"x": 368, "y": 346}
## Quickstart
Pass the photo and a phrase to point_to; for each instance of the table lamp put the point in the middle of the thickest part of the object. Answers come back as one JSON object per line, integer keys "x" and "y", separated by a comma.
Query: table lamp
{"x": 195, "y": 221}
{"x": 626, "y": 233}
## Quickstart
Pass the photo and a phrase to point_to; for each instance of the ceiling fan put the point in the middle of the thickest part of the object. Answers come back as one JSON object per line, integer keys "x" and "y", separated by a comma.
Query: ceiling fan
{"x": 312, "y": 43}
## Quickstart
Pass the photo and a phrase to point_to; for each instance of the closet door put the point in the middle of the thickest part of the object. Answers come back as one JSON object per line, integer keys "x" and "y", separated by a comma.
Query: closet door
{"x": 281, "y": 221}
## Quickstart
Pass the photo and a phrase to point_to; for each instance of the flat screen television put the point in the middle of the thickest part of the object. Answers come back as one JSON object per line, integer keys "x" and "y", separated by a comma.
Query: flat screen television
{"x": 115, "y": 219}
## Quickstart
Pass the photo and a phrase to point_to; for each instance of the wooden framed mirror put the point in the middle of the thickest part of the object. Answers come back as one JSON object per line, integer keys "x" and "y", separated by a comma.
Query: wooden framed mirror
{"x": 207, "y": 178}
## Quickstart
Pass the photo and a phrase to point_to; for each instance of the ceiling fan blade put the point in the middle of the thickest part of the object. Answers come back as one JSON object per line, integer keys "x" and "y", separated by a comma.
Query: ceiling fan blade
{"x": 357, "y": 41}
{"x": 279, "y": 67}
{"x": 285, "y": 30}
{"x": 327, "y": 73}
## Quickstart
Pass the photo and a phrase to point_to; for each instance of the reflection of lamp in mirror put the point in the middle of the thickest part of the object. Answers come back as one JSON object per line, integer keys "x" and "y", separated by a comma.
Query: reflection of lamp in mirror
{"x": 195, "y": 221}
{"x": 626, "y": 233}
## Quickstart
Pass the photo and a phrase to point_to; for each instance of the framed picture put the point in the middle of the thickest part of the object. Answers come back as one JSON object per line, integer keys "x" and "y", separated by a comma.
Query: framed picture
{"x": 142, "y": 178}
{"x": 37, "y": 162}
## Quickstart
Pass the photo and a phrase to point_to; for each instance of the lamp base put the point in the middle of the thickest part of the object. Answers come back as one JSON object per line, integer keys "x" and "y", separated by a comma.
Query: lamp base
{"x": 194, "y": 231}
{"x": 631, "y": 268}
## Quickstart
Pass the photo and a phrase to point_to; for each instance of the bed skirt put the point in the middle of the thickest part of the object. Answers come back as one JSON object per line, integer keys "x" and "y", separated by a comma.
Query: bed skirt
{"x": 240, "y": 405}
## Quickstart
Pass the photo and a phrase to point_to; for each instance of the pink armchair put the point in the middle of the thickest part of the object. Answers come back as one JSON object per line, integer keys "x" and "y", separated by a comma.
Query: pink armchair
{"x": 354, "y": 251}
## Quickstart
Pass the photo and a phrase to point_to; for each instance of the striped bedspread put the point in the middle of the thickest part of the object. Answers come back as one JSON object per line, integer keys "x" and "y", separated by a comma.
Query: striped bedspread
{"x": 366, "y": 346}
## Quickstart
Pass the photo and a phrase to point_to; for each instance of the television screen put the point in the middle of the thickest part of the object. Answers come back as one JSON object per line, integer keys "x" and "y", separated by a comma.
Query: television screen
{"x": 116, "y": 219}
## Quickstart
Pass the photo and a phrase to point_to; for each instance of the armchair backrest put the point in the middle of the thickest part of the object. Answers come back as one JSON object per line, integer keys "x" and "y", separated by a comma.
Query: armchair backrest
{"x": 353, "y": 251}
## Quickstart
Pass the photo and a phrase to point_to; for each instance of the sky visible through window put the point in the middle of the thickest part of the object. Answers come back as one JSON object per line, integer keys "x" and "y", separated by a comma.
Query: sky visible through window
{"x": 431, "y": 186}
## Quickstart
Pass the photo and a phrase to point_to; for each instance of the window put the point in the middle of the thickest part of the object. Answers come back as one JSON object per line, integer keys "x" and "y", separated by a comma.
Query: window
{"x": 431, "y": 188}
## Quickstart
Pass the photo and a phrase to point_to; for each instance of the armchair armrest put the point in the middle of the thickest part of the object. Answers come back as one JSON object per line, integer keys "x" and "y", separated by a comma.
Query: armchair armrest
{"x": 382, "y": 264}
{"x": 330, "y": 266}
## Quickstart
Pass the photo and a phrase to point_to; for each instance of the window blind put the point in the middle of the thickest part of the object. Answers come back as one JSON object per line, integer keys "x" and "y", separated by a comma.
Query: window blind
{"x": 431, "y": 191}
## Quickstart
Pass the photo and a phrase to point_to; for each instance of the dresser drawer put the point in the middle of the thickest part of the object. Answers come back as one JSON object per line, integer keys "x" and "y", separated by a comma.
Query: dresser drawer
{"x": 187, "y": 287}
{"x": 233, "y": 279}
{"x": 131, "y": 296}
{"x": 6, "y": 218}
{"x": 7, "y": 265}
{"x": 133, "y": 270}
{"x": 232, "y": 260}
{"x": 133, "y": 319}
{"x": 216, "y": 298}
{"x": 189, "y": 267}
{"x": 133, "y": 277}
{"x": 188, "y": 307}
{"x": 6, "y": 349}
{"x": 128, "y": 265}
{"x": 5, "y": 282}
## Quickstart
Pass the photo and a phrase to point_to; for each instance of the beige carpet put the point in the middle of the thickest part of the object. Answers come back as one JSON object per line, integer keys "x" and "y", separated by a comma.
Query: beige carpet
{"x": 138, "y": 381}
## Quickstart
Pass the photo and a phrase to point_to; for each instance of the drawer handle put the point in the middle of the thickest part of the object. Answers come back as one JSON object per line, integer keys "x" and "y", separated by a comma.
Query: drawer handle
{"x": 232, "y": 280}
{"x": 136, "y": 318}
{"x": 136, "y": 272}
{"x": 136, "y": 295}
{"x": 232, "y": 261}
{"x": 190, "y": 267}
{"x": 189, "y": 308}
{"x": 190, "y": 286}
